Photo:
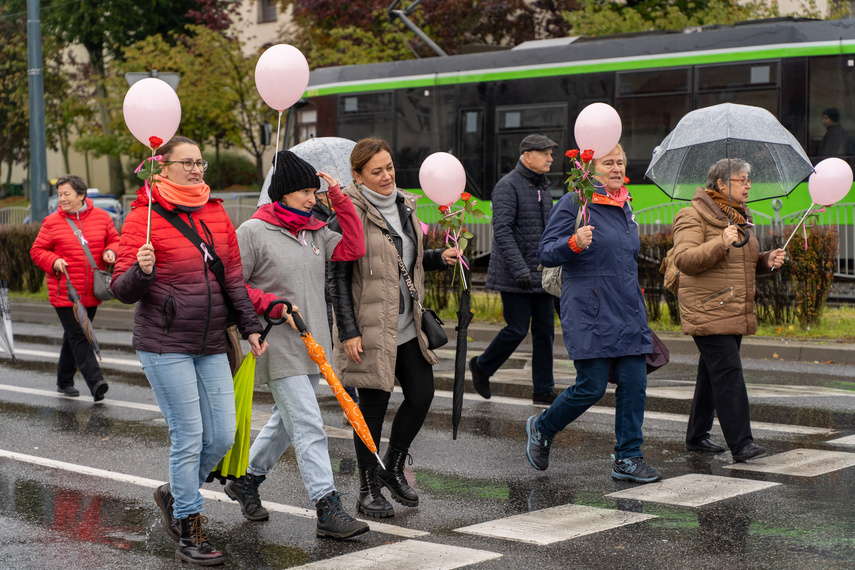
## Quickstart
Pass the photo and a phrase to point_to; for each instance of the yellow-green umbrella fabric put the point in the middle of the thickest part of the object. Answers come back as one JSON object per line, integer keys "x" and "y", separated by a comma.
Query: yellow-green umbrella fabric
{"x": 236, "y": 461}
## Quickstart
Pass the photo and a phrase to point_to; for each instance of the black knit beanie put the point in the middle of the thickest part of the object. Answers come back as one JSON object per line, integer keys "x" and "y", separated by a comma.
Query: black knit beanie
{"x": 292, "y": 173}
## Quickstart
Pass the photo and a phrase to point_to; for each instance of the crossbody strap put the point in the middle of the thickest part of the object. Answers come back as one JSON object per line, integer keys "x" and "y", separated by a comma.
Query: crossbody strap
{"x": 403, "y": 268}
{"x": 77, "y": 232}
{"x": 215, "y": 264}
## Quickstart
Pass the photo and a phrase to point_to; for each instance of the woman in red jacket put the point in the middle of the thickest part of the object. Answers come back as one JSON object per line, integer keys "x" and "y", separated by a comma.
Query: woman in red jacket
{"x": 57, "y": 248}
{"x": 179, "y": 330}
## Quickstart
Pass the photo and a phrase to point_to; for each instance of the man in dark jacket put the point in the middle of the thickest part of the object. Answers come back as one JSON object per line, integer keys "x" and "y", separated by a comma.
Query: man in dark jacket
{"x": 521, "y": 205}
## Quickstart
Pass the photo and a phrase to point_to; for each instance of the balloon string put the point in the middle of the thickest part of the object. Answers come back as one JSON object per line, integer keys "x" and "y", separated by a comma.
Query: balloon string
{"x": 278, "y": 123}
{"x": 148, "y": 193}
{"x": 807, "y": 213}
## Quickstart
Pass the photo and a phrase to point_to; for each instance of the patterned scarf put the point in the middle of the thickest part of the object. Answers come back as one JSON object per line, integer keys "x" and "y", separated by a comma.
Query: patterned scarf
{"x": 735, "y": 211}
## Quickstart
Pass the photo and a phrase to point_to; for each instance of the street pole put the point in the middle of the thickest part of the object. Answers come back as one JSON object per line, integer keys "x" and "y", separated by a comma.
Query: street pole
{"x": 38, "y": 151}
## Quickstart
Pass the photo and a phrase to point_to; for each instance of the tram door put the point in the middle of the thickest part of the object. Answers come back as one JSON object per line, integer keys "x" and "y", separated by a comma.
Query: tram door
{"x": 471, "y": 149}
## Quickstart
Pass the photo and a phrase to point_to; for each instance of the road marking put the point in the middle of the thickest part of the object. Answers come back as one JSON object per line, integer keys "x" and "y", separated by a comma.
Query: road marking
{"x": 848, "y": 441}
{"x": 208, "y": 494}
{"x": 799, "y": 462}
{"x": 605, "y": 410}
{"x": 54, "y": 394}
{"x": 555, "y": 524}
{"x": 47, "y": 354}
{"x": 409, "y": 554}
{"x": 687, "y": 392}
{"x": 693, "y": 490}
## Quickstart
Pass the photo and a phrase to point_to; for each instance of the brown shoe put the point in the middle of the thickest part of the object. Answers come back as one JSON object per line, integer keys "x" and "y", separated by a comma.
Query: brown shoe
{"x": 164, "y": 500}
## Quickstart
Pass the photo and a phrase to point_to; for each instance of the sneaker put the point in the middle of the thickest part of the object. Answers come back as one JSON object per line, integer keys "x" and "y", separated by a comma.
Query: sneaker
{"x": 546, "y": 398}
{"x": 334, "y": 522}
{"x": 69, "y": 391}
{"x": 750, "y": 451}
{"x": 537, "y": 446}
{"x": 634, "y": 469}
{"x": 480, "y": 381}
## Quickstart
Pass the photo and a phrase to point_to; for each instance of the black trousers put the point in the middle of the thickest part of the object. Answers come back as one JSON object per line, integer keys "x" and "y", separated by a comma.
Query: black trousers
{"x": 415, "y": 375}
{"x": 720, "y": 390}
{"x": 76, "y": 352}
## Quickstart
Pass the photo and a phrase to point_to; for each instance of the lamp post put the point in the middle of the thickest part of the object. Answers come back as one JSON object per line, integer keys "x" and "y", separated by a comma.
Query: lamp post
{"x": 38, "y": 150}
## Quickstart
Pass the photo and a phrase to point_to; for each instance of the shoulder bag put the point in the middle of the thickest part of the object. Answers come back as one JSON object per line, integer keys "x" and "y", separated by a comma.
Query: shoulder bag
{"x": 215, "y": 264}
{"x": 431, "y": 323}
{"x": 102, "y": 279}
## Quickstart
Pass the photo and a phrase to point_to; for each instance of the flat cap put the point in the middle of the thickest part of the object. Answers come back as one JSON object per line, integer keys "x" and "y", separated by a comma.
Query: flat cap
{"x": 536, "y": 142}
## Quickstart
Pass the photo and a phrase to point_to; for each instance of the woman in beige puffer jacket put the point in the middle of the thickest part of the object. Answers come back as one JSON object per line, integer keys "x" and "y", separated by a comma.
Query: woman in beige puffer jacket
{"x": 716, "y": 298}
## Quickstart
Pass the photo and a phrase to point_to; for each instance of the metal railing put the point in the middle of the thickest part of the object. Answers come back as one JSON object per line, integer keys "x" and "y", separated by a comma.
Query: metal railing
{"x": 13, "y": 215}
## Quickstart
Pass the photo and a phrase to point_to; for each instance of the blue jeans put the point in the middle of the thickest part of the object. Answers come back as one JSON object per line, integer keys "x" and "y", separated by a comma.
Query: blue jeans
{"x": 296, "y": 419}
{"x": 592, "y": 377}
{"x": 197, "y": 399}
{"x": 521, "y": 310}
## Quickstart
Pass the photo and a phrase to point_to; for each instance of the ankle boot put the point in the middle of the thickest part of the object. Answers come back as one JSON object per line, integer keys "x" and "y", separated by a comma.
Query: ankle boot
{"x": 334, "y": 522}
{"x": 371, "y": 502}
{"x": 193, "y": 545}
{"x": 393, "y": 477}
{"x": 163, "y": 498}
{"x": 245, "y": 491}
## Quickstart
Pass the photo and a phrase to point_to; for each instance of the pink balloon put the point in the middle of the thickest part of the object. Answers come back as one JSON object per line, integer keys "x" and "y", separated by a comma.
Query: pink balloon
{"x": 281, "y": 76}
{"x": 598, "y": 128}
{"x": 442, "y": 178}
{"x": 830, "y": 182}
{"x": 151, "y": 109}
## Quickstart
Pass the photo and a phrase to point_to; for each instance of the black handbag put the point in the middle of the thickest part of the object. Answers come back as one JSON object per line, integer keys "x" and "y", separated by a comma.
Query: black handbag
{"x": 431, "y": 323}
{"x": 101, "y": 278}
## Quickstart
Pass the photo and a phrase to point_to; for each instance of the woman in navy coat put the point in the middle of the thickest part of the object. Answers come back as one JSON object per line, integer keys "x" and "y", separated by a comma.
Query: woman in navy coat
{"x": 604, "y": 318}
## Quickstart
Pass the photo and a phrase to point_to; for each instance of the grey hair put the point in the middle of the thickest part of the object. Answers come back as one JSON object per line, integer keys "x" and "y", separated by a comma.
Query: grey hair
{"x": 77, "y": 183}
{"x": 724, "y": 169}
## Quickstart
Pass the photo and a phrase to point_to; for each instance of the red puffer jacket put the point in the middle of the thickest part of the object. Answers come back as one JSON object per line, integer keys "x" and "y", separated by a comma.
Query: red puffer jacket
{"x": 56, "y": 240}
{"x": 180, "y": 306}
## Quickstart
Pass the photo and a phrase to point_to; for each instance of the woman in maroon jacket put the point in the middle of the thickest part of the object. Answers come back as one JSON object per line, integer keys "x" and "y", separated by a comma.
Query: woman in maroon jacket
{"x": 179, "y": 331}
{"x": 57, "y": 248}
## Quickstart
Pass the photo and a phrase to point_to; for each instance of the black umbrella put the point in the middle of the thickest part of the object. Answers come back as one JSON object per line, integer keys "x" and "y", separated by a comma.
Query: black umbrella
{"x": 464, "y": 317}
{"x": 81, "y": 315}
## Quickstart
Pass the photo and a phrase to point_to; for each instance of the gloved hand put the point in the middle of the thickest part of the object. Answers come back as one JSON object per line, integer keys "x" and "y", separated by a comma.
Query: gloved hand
{"x": 524, "y": 282}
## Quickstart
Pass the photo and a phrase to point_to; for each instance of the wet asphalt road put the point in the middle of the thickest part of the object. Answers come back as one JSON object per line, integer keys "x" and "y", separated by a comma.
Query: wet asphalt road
{"x": 76, "y": 484}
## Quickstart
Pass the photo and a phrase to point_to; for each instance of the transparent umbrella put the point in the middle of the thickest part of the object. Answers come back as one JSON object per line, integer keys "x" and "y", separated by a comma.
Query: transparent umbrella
{"x": 6, "y": 320}
{"x": 326, "y": 154}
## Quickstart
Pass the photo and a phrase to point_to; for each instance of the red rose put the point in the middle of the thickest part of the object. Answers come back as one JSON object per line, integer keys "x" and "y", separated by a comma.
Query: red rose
{"x": 155, "y": 142}
{"x": 465, "y": 196}
{"x": 626, "y": 179}
{"x": 572, "y": 153}
{"x": 444, "y": 209}
{"x": 587, "y": 156}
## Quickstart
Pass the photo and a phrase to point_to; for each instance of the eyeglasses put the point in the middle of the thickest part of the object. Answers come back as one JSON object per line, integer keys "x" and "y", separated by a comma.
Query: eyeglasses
{"x": 188, "y": 164}
{"x": 745, "y": 181}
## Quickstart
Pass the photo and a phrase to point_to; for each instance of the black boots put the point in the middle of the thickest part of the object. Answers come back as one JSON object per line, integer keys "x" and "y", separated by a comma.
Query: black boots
{"x": 393, "y": 477}
{"x": 333, "y": 522}
{"x": 164, "y": 500}
{"x": 371, "y": 502}
{"x": 245, "y": 492}
{"x": 193, "y": 545}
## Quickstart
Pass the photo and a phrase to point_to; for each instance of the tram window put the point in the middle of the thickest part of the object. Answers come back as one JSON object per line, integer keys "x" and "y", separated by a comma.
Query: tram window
{"x": 365, "y": 103}
{"x": 514, "y": 123}
{"x": 307, "y": 124}
{"x": 545, "y": 117}
{"x": 765, "y": 98}
{"x": 646, "y": 122}
{"x": 737, "y": 75}
{"x": 831, "y": 82}
{"x": 650, "y": 82}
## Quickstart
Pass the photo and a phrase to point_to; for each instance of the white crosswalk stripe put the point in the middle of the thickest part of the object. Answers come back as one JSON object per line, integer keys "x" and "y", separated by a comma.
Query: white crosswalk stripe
{"x": 693, "y": 490}
{"x": 799, "y": 462}
{"x": 409, "y": 554}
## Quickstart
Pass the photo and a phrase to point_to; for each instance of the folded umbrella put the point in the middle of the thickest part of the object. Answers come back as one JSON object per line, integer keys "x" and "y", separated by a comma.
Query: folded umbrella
{"x": 6, "y": 317}
{"x": 81, "y": 315}
{"x": 464, "y": 317}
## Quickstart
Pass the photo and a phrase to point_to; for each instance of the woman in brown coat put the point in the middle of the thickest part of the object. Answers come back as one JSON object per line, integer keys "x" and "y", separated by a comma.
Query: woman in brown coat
{"x": 716, "y": 299}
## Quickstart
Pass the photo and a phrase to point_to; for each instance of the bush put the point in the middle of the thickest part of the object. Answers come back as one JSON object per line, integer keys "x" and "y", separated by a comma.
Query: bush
{"x": 230, "y": 170}
{"x": 774, "y": 298}
{"x": 16, "y": 265}
{"x": 813, "y": 273}
{"x": 653, "y": 250}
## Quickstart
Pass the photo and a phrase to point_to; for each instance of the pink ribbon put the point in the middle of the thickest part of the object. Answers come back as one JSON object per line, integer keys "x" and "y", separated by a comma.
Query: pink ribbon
{"x": 141, "y": 166}
{"x": 207, "y": 255}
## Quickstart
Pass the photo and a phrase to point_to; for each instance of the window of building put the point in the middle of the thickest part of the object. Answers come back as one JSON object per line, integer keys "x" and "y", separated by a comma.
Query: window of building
{"x": 266, "y": 11}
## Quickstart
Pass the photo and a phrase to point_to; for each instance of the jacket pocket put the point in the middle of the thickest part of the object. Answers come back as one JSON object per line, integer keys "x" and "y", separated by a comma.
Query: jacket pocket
{"x": 591, "y": 307}
{"x": 716, "y": 300}
{"x": 169, "y": 311}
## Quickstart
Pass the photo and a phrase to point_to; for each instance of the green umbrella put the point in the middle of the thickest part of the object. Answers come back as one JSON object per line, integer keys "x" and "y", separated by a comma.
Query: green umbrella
{"x": 236, "y": 461}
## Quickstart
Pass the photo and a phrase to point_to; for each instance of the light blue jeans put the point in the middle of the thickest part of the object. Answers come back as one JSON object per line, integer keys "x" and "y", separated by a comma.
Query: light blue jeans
{"x": 296, "y": 419}
{"x": 197, "y": 399}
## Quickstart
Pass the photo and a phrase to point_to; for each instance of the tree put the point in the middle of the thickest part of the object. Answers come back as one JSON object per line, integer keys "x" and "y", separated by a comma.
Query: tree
{"x": 14, "y": 106}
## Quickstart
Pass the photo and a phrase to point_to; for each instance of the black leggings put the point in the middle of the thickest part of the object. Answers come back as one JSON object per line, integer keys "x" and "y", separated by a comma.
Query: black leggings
{"x": 415, "y": 375}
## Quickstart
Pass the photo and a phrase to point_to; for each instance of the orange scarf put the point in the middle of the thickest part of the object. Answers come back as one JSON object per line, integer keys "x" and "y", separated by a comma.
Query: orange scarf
{"x": 734, "y": 211}
{"x": 191, "y": 195}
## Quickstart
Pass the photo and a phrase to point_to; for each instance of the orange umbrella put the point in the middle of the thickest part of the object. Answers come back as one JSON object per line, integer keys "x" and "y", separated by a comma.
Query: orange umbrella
{"x": 351, "y": 409}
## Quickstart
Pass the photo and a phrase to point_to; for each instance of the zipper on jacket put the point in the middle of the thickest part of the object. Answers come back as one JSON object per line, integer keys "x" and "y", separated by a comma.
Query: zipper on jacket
{"x": 207, "y": 285}
{"x": 719, "y": 294}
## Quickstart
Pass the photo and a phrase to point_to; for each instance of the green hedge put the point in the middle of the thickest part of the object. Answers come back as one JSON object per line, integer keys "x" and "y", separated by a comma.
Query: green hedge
{"x": 230, "y": 170}
{"x": 16, "y": 265}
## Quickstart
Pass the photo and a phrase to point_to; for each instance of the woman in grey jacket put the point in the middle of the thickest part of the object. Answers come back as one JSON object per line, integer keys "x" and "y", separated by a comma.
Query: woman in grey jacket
{"x": 284, "y": 250}
{"x": 379, "y": 329}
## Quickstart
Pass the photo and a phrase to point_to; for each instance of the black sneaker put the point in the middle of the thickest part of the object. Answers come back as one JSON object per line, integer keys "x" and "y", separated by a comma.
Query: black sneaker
{"x": 480, "y": 381}
{"x": 634, "y": 469}
{"x": 537, "y": 447}
{"x": 334, "y": 522}
{"x": 546, "y": 398}
{"x": 750, "y": 451}
{"x": 69, "y": 391}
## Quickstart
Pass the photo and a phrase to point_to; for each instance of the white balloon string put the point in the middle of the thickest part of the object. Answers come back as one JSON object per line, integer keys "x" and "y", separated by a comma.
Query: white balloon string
{"x": 795, "y": 229}
{"x": 278, "y": 124}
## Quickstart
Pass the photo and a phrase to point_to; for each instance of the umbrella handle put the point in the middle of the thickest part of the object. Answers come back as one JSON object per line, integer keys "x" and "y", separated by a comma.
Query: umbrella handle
{"x": 274, "y": 321}
{"x": 743, "y": 242}
{"x": 298, "y": 322}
